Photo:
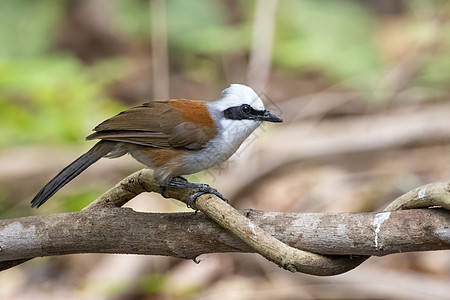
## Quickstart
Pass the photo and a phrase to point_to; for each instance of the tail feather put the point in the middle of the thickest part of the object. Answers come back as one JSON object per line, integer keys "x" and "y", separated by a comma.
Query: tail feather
{"x": 99, "y": 150}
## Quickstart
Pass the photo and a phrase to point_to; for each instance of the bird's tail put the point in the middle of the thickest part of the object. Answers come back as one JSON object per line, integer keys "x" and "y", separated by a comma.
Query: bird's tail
{"x": 99, "y": 150}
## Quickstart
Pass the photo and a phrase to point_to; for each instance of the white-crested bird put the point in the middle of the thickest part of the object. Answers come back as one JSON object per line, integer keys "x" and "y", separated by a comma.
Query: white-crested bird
{"x": 174, "y": 137}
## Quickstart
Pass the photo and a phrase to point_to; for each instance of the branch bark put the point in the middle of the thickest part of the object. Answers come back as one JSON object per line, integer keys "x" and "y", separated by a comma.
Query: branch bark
{"x": 105, "y": 227}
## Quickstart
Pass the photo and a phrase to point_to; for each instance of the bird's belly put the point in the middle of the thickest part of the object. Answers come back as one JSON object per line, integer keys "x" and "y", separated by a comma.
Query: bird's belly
{"x": 168, "y": 163}
{"x": 206, "y": 158}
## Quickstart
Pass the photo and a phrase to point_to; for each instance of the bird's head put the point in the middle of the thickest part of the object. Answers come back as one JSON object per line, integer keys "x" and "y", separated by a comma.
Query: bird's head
{"x": 239, "y": 112}
{"x": 241, "y": 103}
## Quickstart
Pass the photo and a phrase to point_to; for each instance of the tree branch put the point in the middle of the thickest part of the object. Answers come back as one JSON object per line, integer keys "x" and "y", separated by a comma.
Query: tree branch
{"x": 104, "y": 227}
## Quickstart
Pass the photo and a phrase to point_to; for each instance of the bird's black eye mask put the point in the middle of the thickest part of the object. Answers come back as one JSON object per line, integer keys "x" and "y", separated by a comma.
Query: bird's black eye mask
{"x": 244, "y": 112}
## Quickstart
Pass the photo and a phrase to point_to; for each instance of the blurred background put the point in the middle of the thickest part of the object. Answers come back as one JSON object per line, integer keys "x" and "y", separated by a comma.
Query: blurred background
{"x": 363, "y": 87}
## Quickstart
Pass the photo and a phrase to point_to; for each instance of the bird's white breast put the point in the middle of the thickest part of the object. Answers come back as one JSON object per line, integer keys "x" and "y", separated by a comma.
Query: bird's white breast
{"x": 231, "y": 135}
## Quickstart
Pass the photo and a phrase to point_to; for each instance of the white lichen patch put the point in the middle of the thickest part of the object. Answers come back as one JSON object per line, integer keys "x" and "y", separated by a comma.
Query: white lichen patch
{"x": 380, "y": 218}
{"x": 252, "y": 228}
{"x": 443, "y": 233}
{"x": 422, "y": 193}
{"x": 28, "y": 237}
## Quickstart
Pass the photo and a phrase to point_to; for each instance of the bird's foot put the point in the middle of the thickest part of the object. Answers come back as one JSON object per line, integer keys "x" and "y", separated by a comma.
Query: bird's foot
{"x": 199, "y": 189}
{"x": 203, "y": 189}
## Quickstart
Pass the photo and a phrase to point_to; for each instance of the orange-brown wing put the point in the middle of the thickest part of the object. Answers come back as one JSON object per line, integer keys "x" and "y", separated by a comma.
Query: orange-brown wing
{"x": 159, "y": 124}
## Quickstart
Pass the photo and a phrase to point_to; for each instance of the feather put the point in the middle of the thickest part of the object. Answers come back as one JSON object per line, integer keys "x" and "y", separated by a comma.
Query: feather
{"x": 161, "y": 124}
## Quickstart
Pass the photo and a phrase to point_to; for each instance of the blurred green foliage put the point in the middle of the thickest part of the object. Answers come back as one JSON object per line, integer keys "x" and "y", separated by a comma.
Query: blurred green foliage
{"x": 153, "y": 283}
{"x": 193, "y": 27}
{"x": 209, "y": 32}
{"x": 47, "y": 99}
{"x": 341, "y": 40}
{"x": 81, "y": 199}
{"x": 28, "y": 28}
{"x": 332, "y": 37}
{"x": 46, "y": 96}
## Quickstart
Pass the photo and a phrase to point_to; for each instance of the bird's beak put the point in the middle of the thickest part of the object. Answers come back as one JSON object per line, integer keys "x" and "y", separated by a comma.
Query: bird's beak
{"x": 269, "y": 117}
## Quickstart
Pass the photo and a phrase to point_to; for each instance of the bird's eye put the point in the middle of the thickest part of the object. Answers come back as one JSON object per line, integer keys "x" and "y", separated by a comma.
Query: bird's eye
{"x": 246, "y": 109}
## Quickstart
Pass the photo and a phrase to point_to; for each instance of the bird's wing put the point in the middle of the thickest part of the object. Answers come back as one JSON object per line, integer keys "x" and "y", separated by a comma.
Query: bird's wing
{"x": 160, "y": 124}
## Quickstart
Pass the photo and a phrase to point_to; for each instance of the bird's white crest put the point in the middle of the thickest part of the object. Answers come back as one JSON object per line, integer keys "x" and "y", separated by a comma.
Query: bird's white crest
{"x": 238, "y": 94}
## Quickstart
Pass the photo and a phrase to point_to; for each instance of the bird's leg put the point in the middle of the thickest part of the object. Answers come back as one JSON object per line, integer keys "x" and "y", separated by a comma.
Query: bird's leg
{"x": 162, "y": 191}
{"x": 180, "y": 178}
{"x": 163, "y": 188}
{"x": 199, "y": 188}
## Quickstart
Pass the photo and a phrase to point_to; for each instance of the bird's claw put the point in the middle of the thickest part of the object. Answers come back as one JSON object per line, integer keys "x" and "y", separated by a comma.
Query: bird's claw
{"x": 203, "y": 189}
{"x": 198, "y": 190}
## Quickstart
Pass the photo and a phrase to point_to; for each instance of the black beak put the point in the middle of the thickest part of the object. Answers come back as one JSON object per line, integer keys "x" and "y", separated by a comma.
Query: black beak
{"x": 269, "y": 117}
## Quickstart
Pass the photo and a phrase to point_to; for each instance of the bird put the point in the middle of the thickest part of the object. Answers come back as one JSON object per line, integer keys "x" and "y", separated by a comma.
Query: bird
{"x": 174, "y": 137}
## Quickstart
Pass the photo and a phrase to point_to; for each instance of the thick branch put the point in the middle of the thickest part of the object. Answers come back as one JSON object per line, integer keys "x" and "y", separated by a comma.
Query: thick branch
{"x": 187, "y": 235}
{"x": 104, "y": 227}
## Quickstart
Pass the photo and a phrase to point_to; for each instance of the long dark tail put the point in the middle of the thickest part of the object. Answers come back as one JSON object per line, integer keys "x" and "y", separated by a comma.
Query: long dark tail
{"x": 99, "y": 150}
